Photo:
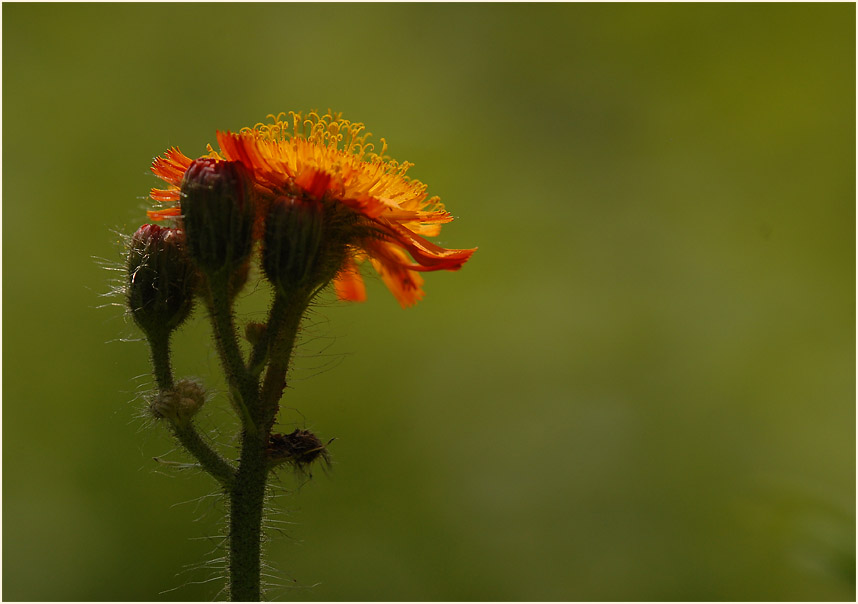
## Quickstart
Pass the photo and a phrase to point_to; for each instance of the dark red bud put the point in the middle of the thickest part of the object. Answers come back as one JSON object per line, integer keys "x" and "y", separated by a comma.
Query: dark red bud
{"x": 160, "y": 279}
{"x": 218, "y": 214}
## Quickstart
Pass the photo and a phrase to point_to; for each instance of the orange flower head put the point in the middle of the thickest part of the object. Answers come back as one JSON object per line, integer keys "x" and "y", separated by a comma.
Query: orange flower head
{"x": 326, "y": 162}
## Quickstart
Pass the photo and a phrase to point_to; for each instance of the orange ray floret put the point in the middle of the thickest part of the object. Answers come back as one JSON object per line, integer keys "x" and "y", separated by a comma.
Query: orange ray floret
{"x": 404, "y": 284}
{"x": 325, "y": 157}
{"x": 349, "y": 284}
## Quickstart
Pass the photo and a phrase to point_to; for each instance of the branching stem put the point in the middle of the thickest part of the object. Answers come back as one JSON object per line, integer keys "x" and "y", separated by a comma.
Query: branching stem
{"x": 208, "y": 458}
{"x": 185, "y": 432}
{"x": 257, "y": 413}
{"x": 257, "y": 409}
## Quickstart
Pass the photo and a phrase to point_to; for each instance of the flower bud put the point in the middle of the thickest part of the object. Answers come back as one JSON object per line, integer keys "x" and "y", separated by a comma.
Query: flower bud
{"x": 254, "y": 332}
{"x": 161, "y": 279}
{"x": 180, "y": 403}
{"x": 305, "y": 243}
{"x": 218, "y": 214}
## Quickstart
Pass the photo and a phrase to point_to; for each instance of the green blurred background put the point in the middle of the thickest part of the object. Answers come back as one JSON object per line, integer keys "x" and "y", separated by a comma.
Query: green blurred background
{"x": 641, "y": 387}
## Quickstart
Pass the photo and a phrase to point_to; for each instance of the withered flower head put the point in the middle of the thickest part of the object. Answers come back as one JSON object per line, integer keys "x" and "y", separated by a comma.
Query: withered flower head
{"x": 299, "y": 448}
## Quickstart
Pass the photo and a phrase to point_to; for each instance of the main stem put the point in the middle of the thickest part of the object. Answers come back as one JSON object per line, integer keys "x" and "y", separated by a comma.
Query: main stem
{"x": 247, "y": 491}
{"x": 258, "y": 410}
{"x": 245, "y": 520}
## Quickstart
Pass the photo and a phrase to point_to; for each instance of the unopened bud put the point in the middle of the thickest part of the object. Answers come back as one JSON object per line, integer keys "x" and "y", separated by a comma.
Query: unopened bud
{"x": 161, "y": 279}
{"x": 180, "y": 403}
{"x": 305, "y": 243}
{"x": 254, "y": 331}
{"x": 218, "y": 214}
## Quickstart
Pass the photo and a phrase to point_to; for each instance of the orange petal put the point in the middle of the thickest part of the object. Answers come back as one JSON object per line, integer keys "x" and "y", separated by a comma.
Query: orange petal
{"x": 424, "y": 229}
{"x": 165, "y": 194}
{"x": 157, "y": 215}
{"x": 404, "y": 284}
{"x": 429, "y": 256}
{"x": 439, "y": 216}
{"x": 314, "y": 181}
{"x": 366, "y": 204}
{"x": 256, "y": 156}
{"x": 349, "y": 284}
{"x": 233, "y": 148}
{"x": 172, "y": 166}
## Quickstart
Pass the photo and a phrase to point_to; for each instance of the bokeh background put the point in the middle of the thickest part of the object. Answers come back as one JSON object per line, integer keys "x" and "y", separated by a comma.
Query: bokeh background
{"x": 641, "y": 387}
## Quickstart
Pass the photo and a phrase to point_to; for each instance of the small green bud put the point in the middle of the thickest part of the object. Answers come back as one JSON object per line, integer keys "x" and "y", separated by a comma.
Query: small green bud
{"x": 180, "y": 403}
{"x": 161, "y": 279}
{"x": 305, "y": 243}
{"x": 218, "y": 214}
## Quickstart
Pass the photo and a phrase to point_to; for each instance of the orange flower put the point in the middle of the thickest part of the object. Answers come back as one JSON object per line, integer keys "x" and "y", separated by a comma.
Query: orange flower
{"x": 325, "y": 157}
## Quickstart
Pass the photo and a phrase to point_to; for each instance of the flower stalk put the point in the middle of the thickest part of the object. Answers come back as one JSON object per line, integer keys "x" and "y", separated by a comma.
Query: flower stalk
{"x": 209, "y": 460}
{"x": 309, "y": 203}
{"x": 159, "y": 345}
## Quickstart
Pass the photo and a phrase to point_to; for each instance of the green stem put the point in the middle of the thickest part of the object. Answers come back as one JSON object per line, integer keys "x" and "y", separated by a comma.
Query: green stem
{"x": 185, "y": 433}
{"x": 159, "y": 345}
{"x": 220, "y": 309}
{"x": 248, "y": 493}
{"x": 257, "y": 413}
{"x": 259, "y": 356}
{"x": 208, "y": 458}
{"x": 281, "y": 347}
{"x": 244, "y": 387}
{"x": 247, "y": 489}
{"x": 245, "y": 522}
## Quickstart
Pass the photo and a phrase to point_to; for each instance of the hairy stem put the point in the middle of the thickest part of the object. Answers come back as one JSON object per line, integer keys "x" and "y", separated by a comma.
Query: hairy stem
{"x": 247, "y": 496}
{"x": 281, "y": 345}
{"x": 159, "y": 345}
{"x": 220, "y": 310}
{"x": 257, "y": 411}
{"x": 185, "y": 433}
{"x": 207, "y": 457}
{"x": 247, "y": 487}
{"x": 259, "y": 356}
